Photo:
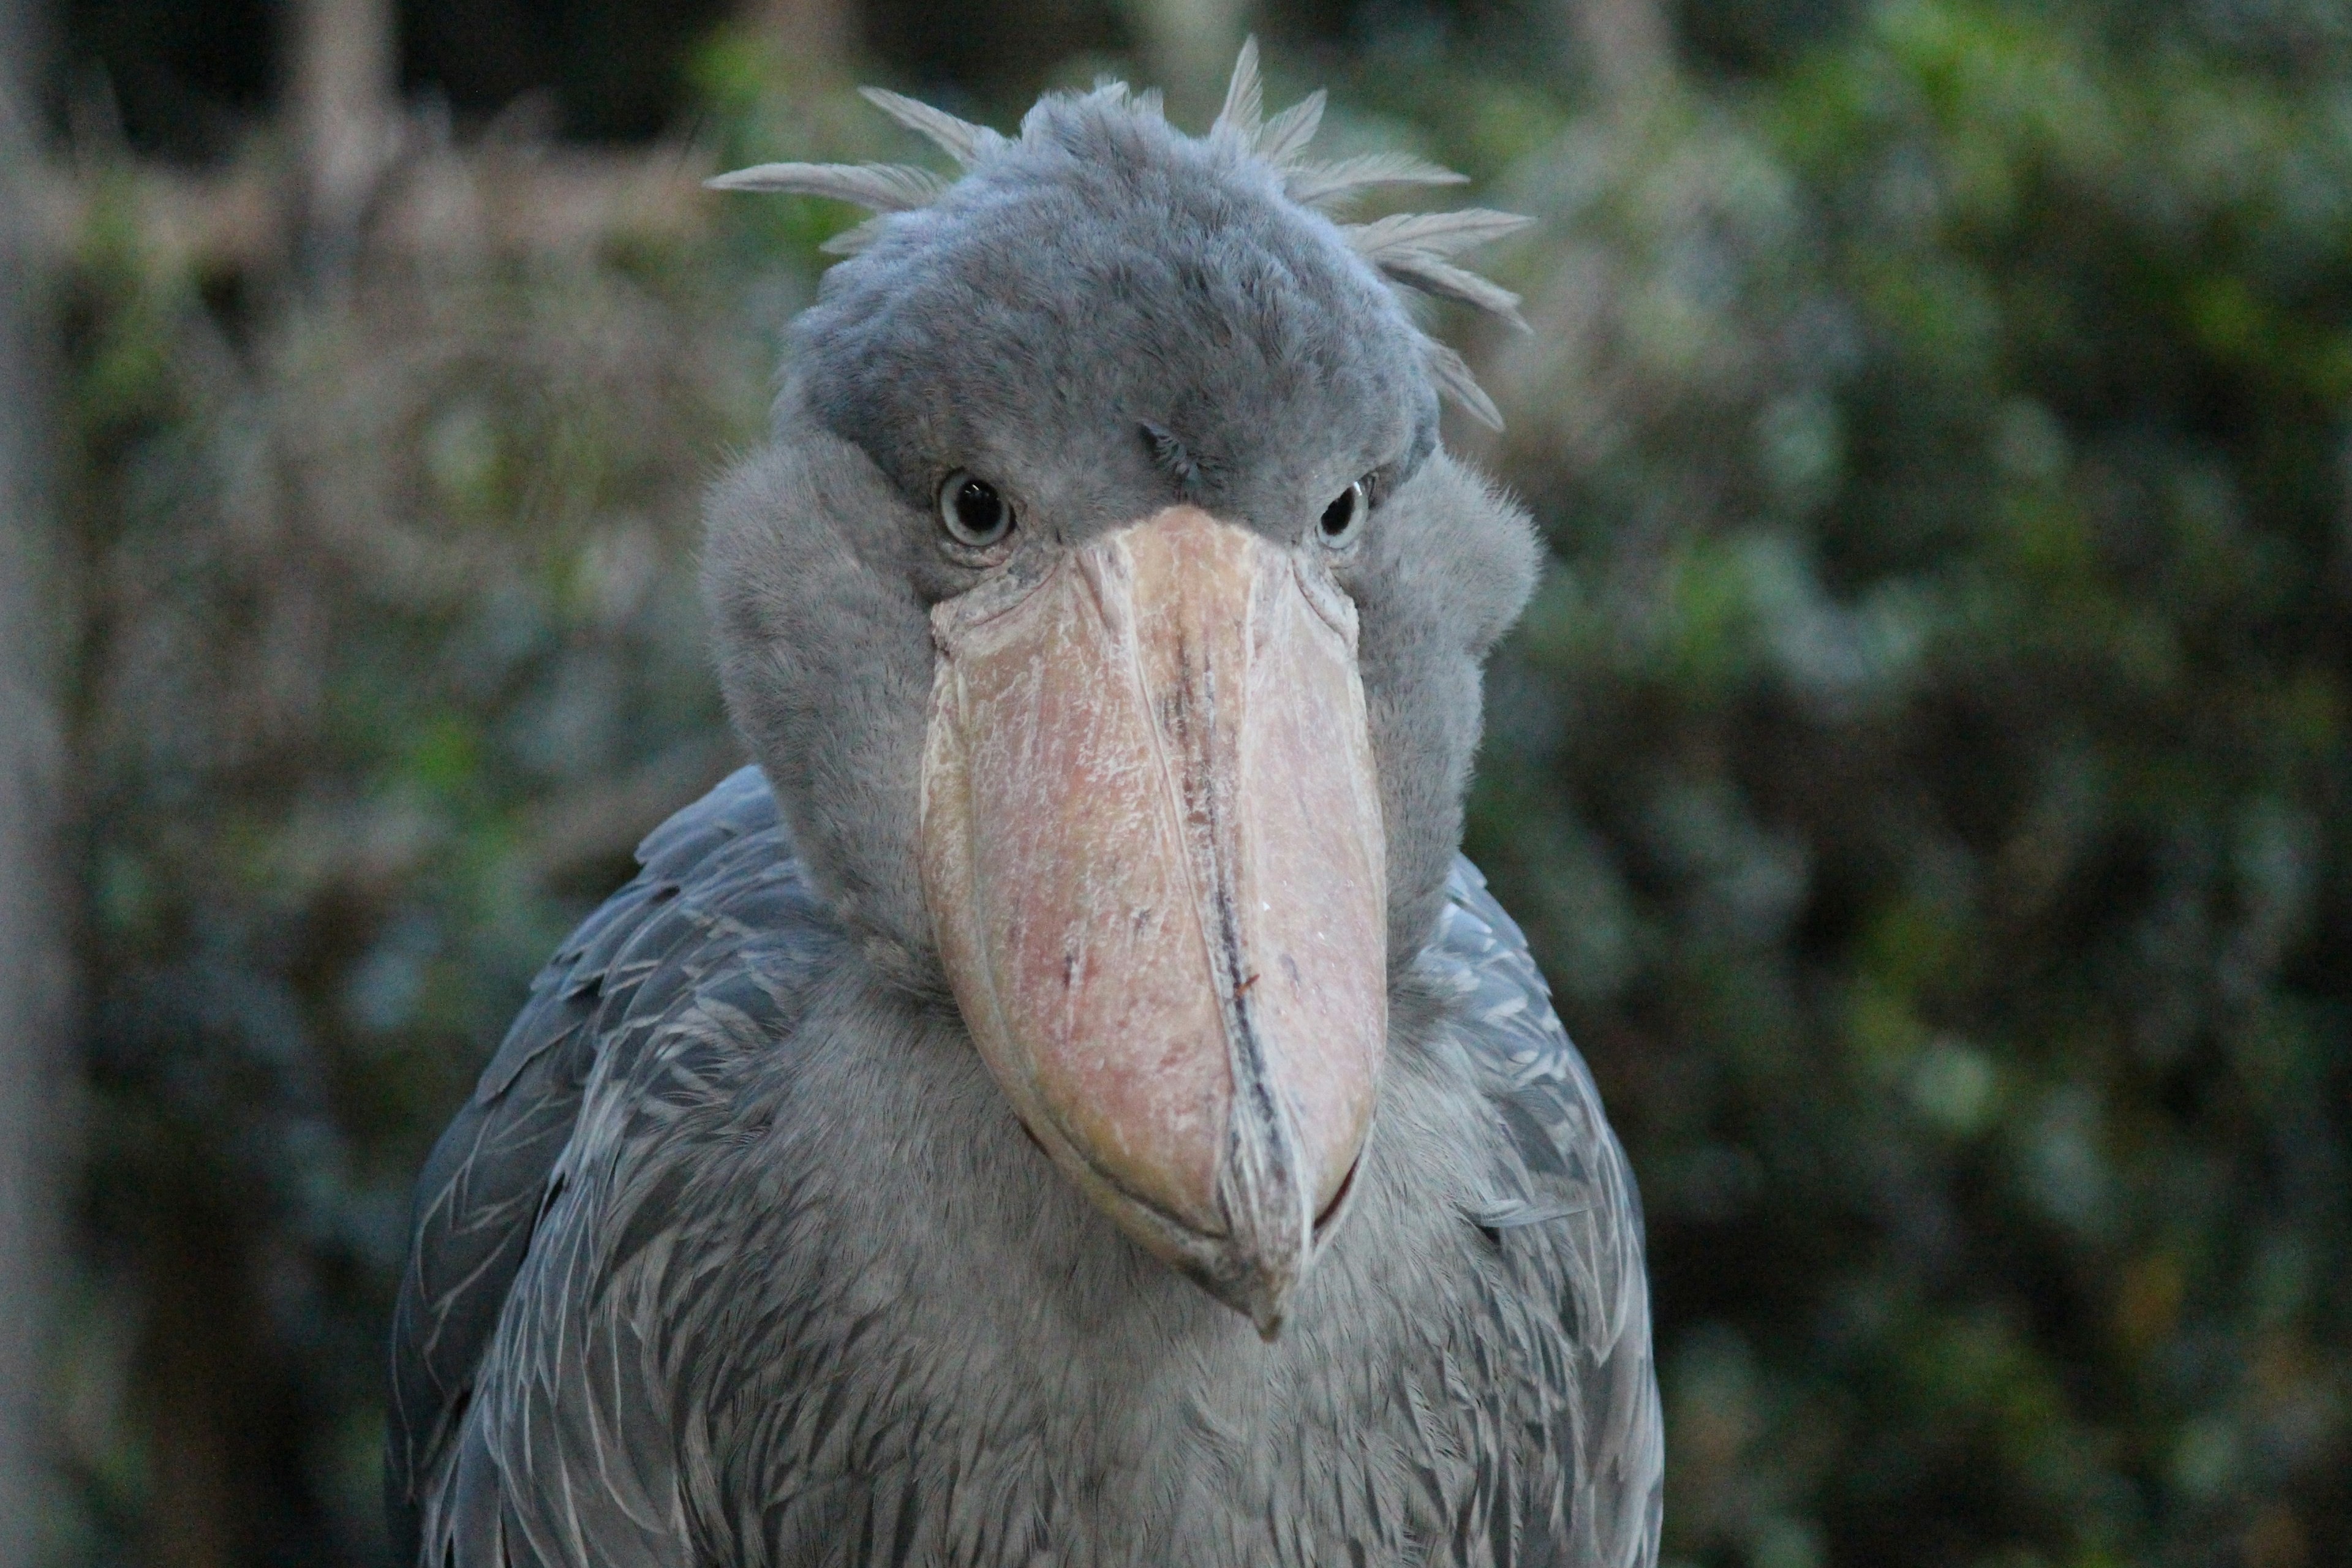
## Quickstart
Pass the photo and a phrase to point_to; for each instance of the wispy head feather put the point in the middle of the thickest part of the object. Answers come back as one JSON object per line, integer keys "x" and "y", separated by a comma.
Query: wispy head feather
{"x": 1410, "y": 250}
{"x": 877, "y": 187}
{"x": 1244, "y": 100}
{"x": 962, "y": 140}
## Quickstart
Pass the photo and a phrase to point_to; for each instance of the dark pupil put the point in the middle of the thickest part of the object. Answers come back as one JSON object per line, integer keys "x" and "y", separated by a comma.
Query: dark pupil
{"x": 1340, "y": 514}
{"x": 978, "y": 507}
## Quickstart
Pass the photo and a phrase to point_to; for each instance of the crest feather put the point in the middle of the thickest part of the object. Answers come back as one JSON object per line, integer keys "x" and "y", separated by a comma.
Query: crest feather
{"x": 962, "y": 140}
{"x": 1245, "y": 98}
{"x": 1431, "y": 233}
{"x": 1411, "y": 248}
{"x": 1431, "y": 276}
{"x": 850, "y": 241}
{"x": 1451, "y": 373}
{"x": 877, "y": 187}
{"x": 1408, "y": 249}
{"x": 1285, "y": 137}
{"x": 1324, "y": 186}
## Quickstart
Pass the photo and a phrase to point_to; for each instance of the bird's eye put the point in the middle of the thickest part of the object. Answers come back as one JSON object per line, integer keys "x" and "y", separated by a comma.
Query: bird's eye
{"x": 1344, "y": 518}
{"x": 971, "y": 512}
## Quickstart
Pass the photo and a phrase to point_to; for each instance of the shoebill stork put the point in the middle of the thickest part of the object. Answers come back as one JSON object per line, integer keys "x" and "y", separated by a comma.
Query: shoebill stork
{"x": 1069, "y": 1103}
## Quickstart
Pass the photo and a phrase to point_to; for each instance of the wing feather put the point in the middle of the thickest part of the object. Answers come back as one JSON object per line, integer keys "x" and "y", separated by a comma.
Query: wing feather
{"x": 489, "y": 1181}
{"x": 1568, "y": 1212}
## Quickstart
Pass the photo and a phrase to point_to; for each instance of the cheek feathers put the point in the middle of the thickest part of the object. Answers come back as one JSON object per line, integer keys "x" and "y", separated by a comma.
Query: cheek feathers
{"x": 825, "y": 658}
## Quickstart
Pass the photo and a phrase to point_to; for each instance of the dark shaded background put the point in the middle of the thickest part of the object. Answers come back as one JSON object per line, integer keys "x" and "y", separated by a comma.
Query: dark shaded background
{"x": 1924, "y": 772}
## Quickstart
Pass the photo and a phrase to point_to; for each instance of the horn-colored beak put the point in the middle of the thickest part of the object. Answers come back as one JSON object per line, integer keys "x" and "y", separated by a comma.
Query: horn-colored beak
{"x": 1152, "y": 848}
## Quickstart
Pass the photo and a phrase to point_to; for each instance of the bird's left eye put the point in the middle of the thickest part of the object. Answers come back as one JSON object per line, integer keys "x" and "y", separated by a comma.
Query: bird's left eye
{"x": 971, "y": 512}
{"x": 1344, "y": 518}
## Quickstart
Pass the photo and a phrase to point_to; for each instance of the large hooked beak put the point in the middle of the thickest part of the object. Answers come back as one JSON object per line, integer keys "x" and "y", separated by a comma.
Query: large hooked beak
{"x": 1152, "y": 848}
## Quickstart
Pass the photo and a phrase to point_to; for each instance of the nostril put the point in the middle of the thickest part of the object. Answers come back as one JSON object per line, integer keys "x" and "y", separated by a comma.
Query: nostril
{"x": 1034, "y": 1142}
{"x": 1347, "y": 1186}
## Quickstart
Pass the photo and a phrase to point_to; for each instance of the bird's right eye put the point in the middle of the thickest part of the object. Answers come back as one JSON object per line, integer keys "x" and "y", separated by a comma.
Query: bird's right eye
{"x": 971, "y": 512}
{"x": 1344, "y": 518}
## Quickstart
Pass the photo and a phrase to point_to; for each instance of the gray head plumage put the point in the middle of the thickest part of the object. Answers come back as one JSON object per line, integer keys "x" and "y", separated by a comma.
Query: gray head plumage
{"x": 1411, "y": 251}
{"x": 1100, "y": 317}
{"x": 1107, "y": 615}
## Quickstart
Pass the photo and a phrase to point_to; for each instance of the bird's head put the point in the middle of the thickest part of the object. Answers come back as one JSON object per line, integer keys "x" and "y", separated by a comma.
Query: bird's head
{"x": 1107, "y": 619}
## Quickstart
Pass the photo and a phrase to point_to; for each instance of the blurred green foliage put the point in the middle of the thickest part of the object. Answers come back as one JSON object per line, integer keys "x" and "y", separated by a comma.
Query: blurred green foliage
{"x": 1924, "y": 772}
{"x": 393, "y": 651}
{"x": 1925, "y": 775}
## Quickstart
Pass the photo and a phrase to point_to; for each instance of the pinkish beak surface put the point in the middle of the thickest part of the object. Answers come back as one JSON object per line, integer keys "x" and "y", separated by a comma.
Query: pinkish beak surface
{"x": 1152, "y": 848}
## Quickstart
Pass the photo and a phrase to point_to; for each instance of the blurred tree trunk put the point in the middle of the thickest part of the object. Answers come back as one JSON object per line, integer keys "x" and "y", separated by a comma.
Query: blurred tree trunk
{"x": 222, "y": 1418}
{"x": 32, "y": 927}
{"x": 1628, "y": 47}
{"x": 343, "y": 103}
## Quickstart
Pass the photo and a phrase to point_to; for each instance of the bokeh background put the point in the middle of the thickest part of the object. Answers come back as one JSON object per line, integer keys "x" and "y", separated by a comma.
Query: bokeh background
{"x": 1924, "y": 772}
